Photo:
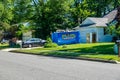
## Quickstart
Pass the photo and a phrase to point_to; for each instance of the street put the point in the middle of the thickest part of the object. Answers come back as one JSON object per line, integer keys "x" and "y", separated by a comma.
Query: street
{"x": 14, "y": 66}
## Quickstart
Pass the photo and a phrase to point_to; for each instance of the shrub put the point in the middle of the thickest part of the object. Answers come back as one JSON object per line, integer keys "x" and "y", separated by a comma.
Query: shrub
{"x": 50, "y": 43}
{"x": 64, "y": 46}
{"x": 49, "y": 40}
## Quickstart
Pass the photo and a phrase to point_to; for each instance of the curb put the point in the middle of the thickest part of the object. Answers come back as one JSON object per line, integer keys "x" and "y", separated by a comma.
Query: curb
{"x": 99, "y": 60}
{"x": 117, "y": 62}
{"x": 79, "y": 58}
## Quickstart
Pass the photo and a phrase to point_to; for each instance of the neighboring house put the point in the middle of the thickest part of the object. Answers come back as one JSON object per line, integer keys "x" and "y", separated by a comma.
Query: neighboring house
{"x": 93, "y": 29}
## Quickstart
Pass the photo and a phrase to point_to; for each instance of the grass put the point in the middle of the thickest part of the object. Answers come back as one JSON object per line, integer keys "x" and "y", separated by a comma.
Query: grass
{"x": 3, "y": 46}
{"x": 6, "y": 45}
{"x": 94, "y": 50}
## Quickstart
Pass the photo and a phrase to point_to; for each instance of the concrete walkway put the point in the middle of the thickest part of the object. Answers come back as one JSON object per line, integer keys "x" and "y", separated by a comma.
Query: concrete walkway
{"x": 10, "y": 49}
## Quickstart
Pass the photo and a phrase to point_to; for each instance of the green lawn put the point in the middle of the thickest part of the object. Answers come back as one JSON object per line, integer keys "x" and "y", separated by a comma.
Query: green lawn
{"x": 94, "y": 50}
{"x": 6, "y": 45}
{"x": 3, "y": 46}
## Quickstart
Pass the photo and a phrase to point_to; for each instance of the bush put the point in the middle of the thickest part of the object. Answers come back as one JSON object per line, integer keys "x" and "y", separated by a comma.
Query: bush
{"x": 64, "y": 46}
{"x": 49, "y": 40}
{"x": 50, "y": 43}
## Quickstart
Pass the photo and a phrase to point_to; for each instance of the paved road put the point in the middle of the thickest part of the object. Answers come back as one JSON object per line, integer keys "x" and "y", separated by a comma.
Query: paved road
{"x": 15, "y": 66}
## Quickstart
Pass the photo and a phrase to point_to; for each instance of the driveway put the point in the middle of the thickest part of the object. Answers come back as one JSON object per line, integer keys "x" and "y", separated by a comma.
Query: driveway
{"x": 15, "y": 66}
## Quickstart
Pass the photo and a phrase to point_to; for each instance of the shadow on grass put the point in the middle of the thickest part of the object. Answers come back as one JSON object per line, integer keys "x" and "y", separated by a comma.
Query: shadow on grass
{"x": 101, "y": 49}
{"x": 77, "y": 52}
{"x": 59, "y": 54}
{"x": 4, "y": 47}
{"x": 97, "y": 52}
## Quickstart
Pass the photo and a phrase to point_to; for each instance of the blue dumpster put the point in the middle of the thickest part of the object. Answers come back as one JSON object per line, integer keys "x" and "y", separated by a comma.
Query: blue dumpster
{"x": 62, "y": 38}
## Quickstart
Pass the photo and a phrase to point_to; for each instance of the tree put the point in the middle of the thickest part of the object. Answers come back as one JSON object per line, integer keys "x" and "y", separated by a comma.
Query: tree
{"x": 5, "y": 15}
{"x": 102, "y": 7}
{"x": 46, "y": 16}
{"x": 22, "y": 29}
{"x": 117, "y": 26}
{"x": 7, "y": 11}
{"x": 115, "y": 29}
{"x": 1, "y": 9}
{"x": 50, "y": 15}
{"x": 116, "y": 3}
{"x": 80, "y": 11}
{"x": 23, "y": 11}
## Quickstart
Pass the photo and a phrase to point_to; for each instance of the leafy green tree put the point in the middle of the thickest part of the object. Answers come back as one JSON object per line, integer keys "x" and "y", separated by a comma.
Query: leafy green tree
{"x": 116, "y": 3}
{"x": 4, "y": 26}
{"x": 102, "y": 7}
{"x": 46, "y": 16}
{"x": 1, "y": 9}
{"x": 113, "y": 31}
{"x": 50, "y": 15}
{"x": 7, "y": 11}
{"x": 80, "y": 11}
{"x": 22, "y": 29}
{"x": 6, "y": 15}
{"x": 23, "y": 11}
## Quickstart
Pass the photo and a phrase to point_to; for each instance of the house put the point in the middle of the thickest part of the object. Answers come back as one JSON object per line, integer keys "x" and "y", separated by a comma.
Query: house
{"x": 93, "y": 29}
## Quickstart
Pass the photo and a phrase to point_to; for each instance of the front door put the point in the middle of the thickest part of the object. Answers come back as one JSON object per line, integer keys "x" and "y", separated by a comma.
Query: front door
{"x": 93, "y": 37}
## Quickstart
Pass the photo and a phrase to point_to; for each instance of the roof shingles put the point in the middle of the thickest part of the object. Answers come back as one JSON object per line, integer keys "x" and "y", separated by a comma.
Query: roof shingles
{"x": 98, "y": 22}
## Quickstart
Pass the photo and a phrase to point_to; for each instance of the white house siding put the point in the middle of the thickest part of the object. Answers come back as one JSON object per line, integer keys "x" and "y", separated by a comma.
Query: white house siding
{"x": 108, "y": 38}
{"x": 84, "y": 31}
{"x": 102, "y": 37}
{"x": 93, "y": 25}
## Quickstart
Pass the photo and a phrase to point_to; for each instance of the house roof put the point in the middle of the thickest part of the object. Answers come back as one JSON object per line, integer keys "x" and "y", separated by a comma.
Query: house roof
{"x": 111, "y": 15}
{"x": 86, "y": 25}
{"x": 98, "y": 22}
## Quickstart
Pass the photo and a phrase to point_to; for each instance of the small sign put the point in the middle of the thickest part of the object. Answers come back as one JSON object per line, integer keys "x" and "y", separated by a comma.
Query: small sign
{"x": 68, "y": 36}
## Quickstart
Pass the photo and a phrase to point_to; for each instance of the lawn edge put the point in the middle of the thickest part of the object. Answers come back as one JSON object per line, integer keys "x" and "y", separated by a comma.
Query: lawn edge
{"x": 79, "y": 58}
